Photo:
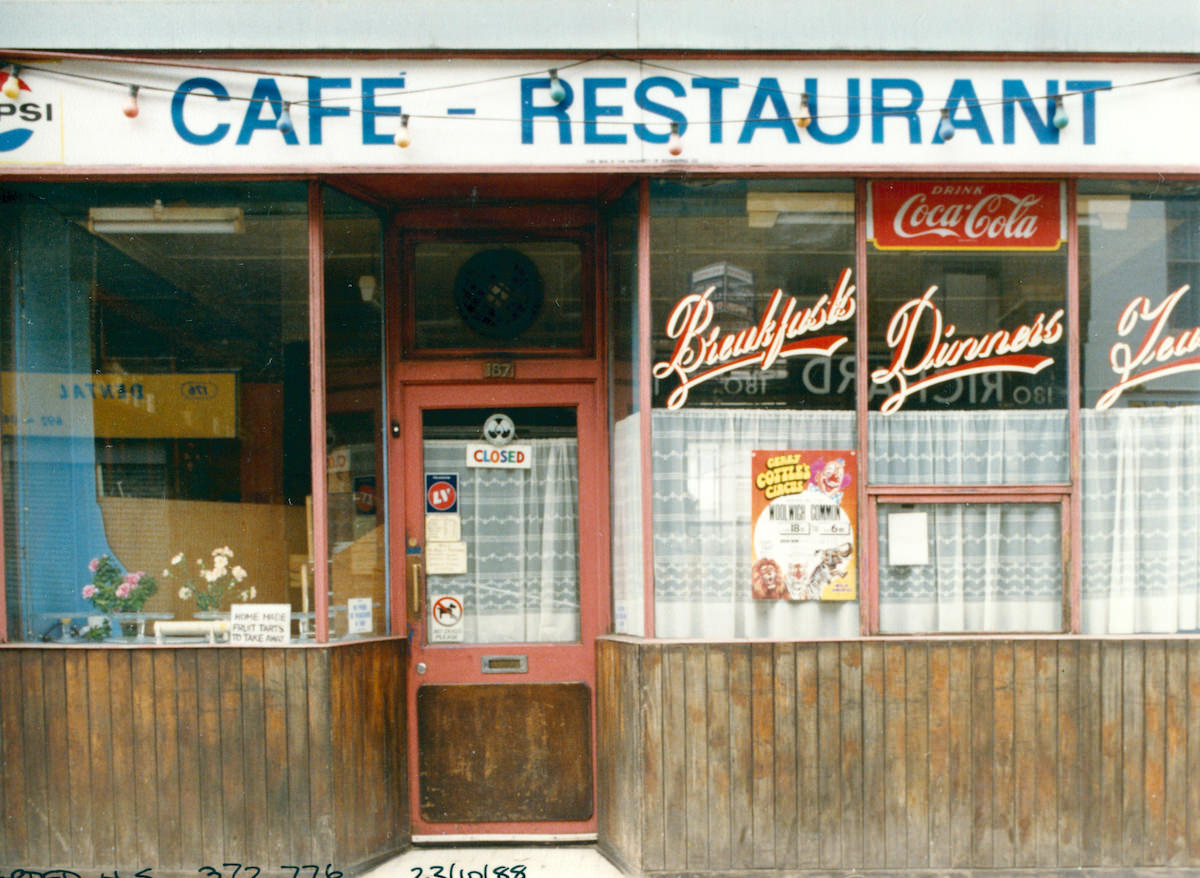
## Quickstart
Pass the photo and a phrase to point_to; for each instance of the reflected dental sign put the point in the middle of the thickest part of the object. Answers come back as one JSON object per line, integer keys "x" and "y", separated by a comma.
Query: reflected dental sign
{"x": 966, "y": 215}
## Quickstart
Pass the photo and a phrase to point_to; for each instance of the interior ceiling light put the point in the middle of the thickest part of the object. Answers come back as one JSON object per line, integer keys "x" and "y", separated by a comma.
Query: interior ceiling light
{"x": 765, "y": 209}
{"x": 166, "y": 220}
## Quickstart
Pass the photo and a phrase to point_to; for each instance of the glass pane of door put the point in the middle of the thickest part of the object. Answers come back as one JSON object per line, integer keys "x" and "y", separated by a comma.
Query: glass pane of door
{"x": 502, "y": 525}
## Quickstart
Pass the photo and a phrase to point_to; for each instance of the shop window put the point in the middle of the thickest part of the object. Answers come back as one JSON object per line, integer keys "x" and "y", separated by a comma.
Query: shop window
{"x": 967, "y": 315}
{"x": 1139, "y": 253}
{"x": 354, "y": 445}
{"x": 753, "y": 345}
{"x": 155, "y": 396}
{"x": 625, "y": 388}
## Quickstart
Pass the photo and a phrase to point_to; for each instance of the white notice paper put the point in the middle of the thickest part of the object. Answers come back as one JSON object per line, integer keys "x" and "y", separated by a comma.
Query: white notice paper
{"x": 446, "y": 558}
{"x": 908, "y": 539}
{"x": 258, "y": 624}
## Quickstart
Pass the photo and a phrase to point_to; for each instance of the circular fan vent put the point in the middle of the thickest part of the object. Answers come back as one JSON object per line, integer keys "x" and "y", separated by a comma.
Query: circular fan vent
{"x": 498, "y": 292}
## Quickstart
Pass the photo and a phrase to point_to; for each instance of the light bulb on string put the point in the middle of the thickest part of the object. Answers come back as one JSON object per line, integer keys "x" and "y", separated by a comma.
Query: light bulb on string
{"x": 675, "y": 141}
{"x": 1060, "y": 119}
{"x": 131, "y": 106}
{"x": 945, "y": 129}
{"x": 558, "y": 92}
{"x": 804, "y": 117}
{"x": 284, "y": 122}
{"x": 12, "y": 85}
{"x": 403, "y": 138}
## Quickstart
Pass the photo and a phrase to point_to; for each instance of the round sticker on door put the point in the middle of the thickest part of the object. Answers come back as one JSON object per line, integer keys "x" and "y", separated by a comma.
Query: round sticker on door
{"x": 499, "y": 429}
{"x": 441, "y": 492}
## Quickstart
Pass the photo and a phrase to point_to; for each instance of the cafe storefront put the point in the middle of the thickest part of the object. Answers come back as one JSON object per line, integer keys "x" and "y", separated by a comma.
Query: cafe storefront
{"x": 751, "y": 465}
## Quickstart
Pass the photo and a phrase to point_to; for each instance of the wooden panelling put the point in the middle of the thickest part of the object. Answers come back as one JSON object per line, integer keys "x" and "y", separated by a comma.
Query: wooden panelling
{"x": 175, "y": 758}
{"x": 1011, "y": 755}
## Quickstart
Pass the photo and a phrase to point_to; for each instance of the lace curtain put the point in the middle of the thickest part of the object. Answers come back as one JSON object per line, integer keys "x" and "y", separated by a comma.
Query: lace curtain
{"x": 1141, "y": 520}
{"x": 521, "y": 527}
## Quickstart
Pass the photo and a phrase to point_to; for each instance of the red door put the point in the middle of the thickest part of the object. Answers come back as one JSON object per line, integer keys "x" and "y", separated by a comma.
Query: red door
{"x": 503, "y": 488}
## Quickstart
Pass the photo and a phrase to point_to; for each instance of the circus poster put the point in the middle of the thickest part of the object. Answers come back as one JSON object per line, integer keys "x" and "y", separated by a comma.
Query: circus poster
{"x": 803, "y": 514}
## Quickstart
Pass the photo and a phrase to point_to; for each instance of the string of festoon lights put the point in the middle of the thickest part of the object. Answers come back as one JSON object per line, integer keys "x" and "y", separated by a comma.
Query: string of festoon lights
{"x": 13, "y": 77}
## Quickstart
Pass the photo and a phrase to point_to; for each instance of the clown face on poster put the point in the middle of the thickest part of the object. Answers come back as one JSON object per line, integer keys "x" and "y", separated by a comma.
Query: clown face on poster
{"x": 803, "y": 514}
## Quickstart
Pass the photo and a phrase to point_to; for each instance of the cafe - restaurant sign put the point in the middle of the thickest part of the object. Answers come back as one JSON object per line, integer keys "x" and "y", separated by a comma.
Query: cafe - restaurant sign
{"x": 966, "y": 215}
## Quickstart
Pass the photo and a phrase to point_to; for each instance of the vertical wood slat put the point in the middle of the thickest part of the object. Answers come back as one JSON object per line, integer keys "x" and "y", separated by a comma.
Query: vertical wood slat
{"x": 144, "y": 740}
{"x": 653, "y": 804}
{"x": 740, "y": 759}
{"x": 14, "y": 832}
{"x": 166, "y": 754}
{"x": 1070, "y": 766}
{"x": 829, "y": 787}
{"x": 674, "y": 766}
{"x": 1155, "y": 753}
{"x": 787, "y": 792}
{"x": 1046, "y": 734}
{"x": 1025, "y": 754}
{"x": 983, "y": 754}
{"x": 120, "y": 673}
{"x": 208, "y": 728}
{"x": 1111, "y": 830}
{"x": 916, "y": 722}
{"x": 78, "y": 757}
{"x": 1193, "y": 750}
{"x": 695, "y": 748}
{"x": 874, "y": 757}
{"x": 763, "y": 755}
{"x": 850, "y": 693}
{"x": 1004, "y": 743}
{"x": 1175, "y": 764}
{"x": 191, "y": 835}
{"x": 940, "y": 751}
{"x": 896, "y": 747}
{"x": 99, "y": 720}
{"x": 232, "y": 756}
{"x": 808, "y": 755}
{"x": 279, "y": 835}
{"x": 1133, "y": 752}
{"x": 961, "y": 814}
{"x": 1091, "y": 755}
{"x": 58, "y": 794}
{"x": 719, "y": 802}
{"x": 255, "y": 755}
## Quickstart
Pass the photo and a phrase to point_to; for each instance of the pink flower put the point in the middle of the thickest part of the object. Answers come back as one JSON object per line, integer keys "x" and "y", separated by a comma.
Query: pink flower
{"x": 94, "y": 565}
{"x": 124, "y": 590}
{"x": 89, "y": 591}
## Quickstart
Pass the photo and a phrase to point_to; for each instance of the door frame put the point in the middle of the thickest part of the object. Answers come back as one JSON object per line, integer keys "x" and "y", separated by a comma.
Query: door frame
{"x": 461, "y": 664}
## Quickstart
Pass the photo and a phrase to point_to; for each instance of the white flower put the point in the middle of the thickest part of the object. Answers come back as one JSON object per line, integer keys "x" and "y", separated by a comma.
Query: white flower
{"x": 185, "y": 593}
{"x": 166, "y": 573}
{"x": 220, "y": 563}
{"x": 253, "y": 592}
{"x": 177, "y": 559}
{"x": 210, "y": 575}
{"x": 238, "y": 573}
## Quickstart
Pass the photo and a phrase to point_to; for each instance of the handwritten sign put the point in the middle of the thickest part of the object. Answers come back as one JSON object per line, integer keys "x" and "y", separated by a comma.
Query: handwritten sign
{"x": 260, "y": 624}
{"x": 1158, "y": 353}
{"x": 703, "y": 352}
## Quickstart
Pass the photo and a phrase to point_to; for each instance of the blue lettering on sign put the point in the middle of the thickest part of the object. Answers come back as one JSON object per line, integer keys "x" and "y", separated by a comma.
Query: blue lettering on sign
{"x": 895, "y": 110}
{"x": 199, "y": 83}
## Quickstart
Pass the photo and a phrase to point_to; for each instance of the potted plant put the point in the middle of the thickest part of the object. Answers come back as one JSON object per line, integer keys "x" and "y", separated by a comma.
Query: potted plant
{"x": 215, "y": 584}
{"x": 113, "y": 591}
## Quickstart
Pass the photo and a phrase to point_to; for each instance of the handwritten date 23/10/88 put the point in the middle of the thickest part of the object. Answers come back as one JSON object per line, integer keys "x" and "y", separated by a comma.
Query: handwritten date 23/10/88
{"x": 456, "y": 871}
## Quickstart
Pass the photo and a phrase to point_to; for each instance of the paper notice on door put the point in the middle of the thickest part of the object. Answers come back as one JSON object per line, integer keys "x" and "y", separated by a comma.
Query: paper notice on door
{"x": 446, "y": 558}
{"x": 443, "y": 527}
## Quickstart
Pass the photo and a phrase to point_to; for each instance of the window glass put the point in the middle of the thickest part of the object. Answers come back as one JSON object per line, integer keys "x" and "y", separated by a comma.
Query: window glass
{"x": 970, "y": 567}
{"x": 753, "y": 304}
{"x": 625, "y": 376}
{"x": 354, "y": 292}
{"x": 1139, "y": 251}
{"x": 155, "y": 400}
{"x": 967, "y": 314}
{"x": 498, "y": 294}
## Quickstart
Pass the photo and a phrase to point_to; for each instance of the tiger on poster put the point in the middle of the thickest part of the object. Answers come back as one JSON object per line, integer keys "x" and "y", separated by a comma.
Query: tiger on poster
{"x": 803, "y": 511}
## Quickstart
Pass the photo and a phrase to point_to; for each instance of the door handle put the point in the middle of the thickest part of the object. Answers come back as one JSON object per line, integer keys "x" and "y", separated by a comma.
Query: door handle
{"x": 415, "y": 569}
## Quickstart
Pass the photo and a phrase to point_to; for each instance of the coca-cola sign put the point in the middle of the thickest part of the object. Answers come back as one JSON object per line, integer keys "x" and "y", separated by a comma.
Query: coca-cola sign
{"x": 966, "y": 215}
